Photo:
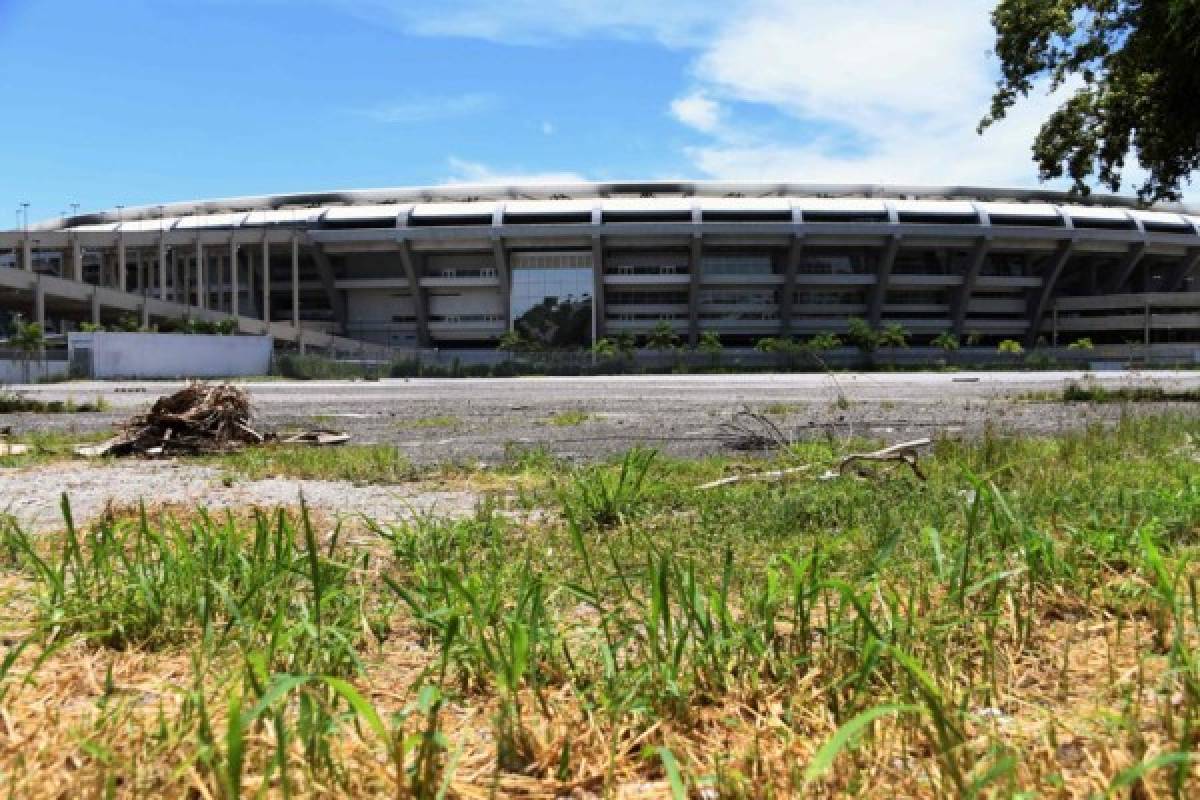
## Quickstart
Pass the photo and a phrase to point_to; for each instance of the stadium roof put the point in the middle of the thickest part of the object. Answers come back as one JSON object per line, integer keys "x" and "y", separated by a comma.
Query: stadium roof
{"x": 676, "y": 197}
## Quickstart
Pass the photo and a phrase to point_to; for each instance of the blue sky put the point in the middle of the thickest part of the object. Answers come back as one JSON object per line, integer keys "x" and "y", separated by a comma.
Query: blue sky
{"x": 145, "y": 101}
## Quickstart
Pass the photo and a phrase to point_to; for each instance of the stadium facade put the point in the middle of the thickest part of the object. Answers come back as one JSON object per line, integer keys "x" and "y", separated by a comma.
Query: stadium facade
{"x": 458, "y": 266}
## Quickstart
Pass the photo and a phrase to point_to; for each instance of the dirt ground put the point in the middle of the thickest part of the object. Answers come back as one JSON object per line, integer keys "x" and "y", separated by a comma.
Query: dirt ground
{"x": 481, "y": 420}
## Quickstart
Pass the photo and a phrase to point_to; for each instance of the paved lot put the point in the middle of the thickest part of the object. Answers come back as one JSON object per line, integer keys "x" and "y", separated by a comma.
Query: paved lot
{"x": 481, "y": 419}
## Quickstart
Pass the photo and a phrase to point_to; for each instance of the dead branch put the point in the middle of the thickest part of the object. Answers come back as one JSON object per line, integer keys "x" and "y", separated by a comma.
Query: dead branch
{"x": 772, "y": 475}
{"x": 905, "y": 453}
{"x": 750, "y": 430}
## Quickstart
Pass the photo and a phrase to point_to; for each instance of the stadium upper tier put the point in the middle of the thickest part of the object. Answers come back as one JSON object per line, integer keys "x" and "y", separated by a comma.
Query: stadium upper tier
{"x": 460, "y": 265}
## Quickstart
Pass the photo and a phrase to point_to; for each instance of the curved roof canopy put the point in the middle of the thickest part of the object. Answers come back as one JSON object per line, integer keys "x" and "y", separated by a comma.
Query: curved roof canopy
{"x": 520, "y": 202}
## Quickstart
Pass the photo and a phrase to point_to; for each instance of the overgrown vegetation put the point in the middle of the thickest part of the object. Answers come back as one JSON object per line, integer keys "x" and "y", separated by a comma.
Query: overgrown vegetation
{"x": 1022, "y": 623}
{"x": 1089, "y": 392}
{"x": 13, "y": 403}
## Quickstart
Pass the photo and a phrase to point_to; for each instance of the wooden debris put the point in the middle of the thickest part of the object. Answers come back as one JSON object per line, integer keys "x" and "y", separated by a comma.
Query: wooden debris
{"x": 200, "y": 418}
{"x": 771, "y": 475}
{"x": 904, "y": 452}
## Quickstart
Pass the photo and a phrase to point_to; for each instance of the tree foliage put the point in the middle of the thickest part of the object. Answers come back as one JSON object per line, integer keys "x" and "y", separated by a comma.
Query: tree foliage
{"x": 1134, "y": 70}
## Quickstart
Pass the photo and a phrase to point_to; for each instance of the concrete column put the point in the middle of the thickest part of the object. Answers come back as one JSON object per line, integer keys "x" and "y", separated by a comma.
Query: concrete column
{"x": 76, "y": 260}
{"x": 599, "y": 315}
{"x": 786, "y": 300}
{"x": 420, "y": 301}
{"x": 296, "y": 282}
{"x": 962, "y": 298}
{"x": 39, "y": 304}
{"x": 178, "y": 276}
{"x": 121, "y": 265}
{"x": 201, "y": 276}
{"x": 96, "y": 306}
{"x": 266, "y": 279}
{"x": 695, "y": 256}
{"x": 502, "y": 271}
{"x": 233, "y": 278}
{"x": 883, "y": 278}
{"x": 144, "y": 309}
{"x": 26, "y": 255}
{"x": 1040, "y": 298}
{"x": 162, "y": 268}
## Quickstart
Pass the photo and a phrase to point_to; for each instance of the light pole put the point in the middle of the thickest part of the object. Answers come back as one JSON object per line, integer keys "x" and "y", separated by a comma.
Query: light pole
{"x": 25, "y": 216}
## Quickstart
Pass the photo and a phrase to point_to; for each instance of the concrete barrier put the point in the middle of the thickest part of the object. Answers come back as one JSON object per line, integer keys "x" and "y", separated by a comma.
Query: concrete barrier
{"x": 167, "y": 355}
{"x": 33, "y": 371}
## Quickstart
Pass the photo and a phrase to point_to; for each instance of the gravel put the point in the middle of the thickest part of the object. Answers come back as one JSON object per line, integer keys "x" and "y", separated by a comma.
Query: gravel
{"x": 33, "y": 494}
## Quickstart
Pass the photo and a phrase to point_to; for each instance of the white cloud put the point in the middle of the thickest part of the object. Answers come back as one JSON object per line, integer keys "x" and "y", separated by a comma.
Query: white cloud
{"x": 464, "y": 171}
{"x": 870, "y": 90}
{"x": 698, "y": 111}
{"x": 548, "y": 128}
{"x": 428, "y": 109}
{"x": 675, "y": 23}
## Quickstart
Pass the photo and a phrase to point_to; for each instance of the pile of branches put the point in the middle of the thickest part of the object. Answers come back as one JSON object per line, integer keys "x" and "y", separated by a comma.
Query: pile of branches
{"x": 201, "y": 418}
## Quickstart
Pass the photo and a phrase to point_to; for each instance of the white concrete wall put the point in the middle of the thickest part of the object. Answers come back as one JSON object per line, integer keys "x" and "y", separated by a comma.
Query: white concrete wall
{"x": 172, "y": 355}
{"x": 14, "y": 371}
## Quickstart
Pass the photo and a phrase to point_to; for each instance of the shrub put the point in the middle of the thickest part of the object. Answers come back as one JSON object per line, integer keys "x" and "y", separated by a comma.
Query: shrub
{"x": 1010, "y": 347}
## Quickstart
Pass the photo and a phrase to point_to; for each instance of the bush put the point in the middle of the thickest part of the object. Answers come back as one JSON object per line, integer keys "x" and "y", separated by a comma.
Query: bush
{"x": 1010, "y": 347}
{"x": 311, "y": 367}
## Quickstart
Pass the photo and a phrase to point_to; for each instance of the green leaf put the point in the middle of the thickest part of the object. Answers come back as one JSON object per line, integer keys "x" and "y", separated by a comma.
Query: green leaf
{"x": 844, "y": 735}
{"x": 671, "y": 767}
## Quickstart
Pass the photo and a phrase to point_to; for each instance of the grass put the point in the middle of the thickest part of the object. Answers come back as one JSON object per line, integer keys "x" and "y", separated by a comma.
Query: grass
{"x": 781, "y": 409}
{"x": 1025, "y": 622}
{"x": 49, "y": 445}
{"x": 366, "y": 463}
{"x": 569, "y": 418}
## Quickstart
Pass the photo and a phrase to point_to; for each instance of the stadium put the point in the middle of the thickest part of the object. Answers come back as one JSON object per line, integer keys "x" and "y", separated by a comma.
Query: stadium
{"x": 458, "y": 266}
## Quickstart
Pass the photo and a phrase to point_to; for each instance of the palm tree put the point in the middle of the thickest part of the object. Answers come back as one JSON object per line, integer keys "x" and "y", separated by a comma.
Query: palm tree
{"x": 710, "y": 343}
{"x": 946, "y": 340}
{"x": 605, "y": 348}
{"x": 662, "y": 337}
{"x": 30, "y": 339}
